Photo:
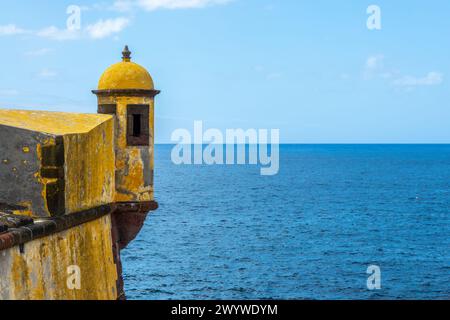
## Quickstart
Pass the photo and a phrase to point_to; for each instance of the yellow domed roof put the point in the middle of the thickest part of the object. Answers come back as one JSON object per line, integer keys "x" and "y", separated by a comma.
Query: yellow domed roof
{"x": 126, "y": 75}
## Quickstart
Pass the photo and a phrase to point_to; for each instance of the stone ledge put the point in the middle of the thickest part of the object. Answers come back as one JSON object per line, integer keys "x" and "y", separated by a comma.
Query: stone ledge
{"x": 128, "y": 219}
{"x": 34, "y": 229}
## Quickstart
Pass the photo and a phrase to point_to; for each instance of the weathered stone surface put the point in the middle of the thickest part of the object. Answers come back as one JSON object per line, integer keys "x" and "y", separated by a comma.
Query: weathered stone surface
{"x": 48, "y": 175}
{"x": 40, "y": 269}
{"x": 19, "y": 169}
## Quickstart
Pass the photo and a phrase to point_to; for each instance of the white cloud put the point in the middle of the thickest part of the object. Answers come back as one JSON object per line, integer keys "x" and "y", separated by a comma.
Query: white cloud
{"x": 431, "y": 79}
{"x": 375, "y": 62}
{"x": 105, "y": 28}
{"x": 374, "y": 68}
{"x": 10, "y": 30}
{"x": 99, "y": 30}
{"x": 55, "y": 33}
{"x": 47, "y": 74}
{"x": 38, "y": 52}
{"x": 122, "y": 5}
{"x": 374, "y": 65}
{"x": 151, "y": 5}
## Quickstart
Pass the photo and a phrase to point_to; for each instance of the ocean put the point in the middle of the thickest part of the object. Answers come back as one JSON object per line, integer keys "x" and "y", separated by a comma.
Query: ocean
{"x": 310, "y": 232}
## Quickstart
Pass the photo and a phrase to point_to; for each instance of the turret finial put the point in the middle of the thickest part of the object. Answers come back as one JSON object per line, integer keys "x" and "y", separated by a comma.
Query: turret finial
{"x": 126, "y": 54}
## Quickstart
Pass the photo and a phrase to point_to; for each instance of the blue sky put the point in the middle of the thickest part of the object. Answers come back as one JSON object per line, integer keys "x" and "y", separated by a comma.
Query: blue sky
{"x": 309, "y": 68}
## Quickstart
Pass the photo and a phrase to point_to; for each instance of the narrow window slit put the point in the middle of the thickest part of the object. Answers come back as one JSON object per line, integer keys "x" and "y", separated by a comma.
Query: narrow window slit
{"x": 136, "y": 125}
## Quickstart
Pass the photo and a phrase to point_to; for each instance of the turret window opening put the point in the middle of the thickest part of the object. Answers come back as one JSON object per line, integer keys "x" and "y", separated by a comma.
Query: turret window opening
{"x": 138, "y": 125}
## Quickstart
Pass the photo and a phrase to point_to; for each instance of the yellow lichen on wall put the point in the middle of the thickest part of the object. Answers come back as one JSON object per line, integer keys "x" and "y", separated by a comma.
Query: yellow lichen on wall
{"x": 131, "y": 161}
{"x": 45, "y": 268}
{"x": 89, "y": 168}
{"x": 83, "y": 179}
{"x": 25, "y": 212}
{"x": 58, "y": 123}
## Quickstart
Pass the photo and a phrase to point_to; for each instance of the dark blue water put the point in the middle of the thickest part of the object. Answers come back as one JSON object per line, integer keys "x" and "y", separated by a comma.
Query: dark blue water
{"x": 225, "y": 232}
